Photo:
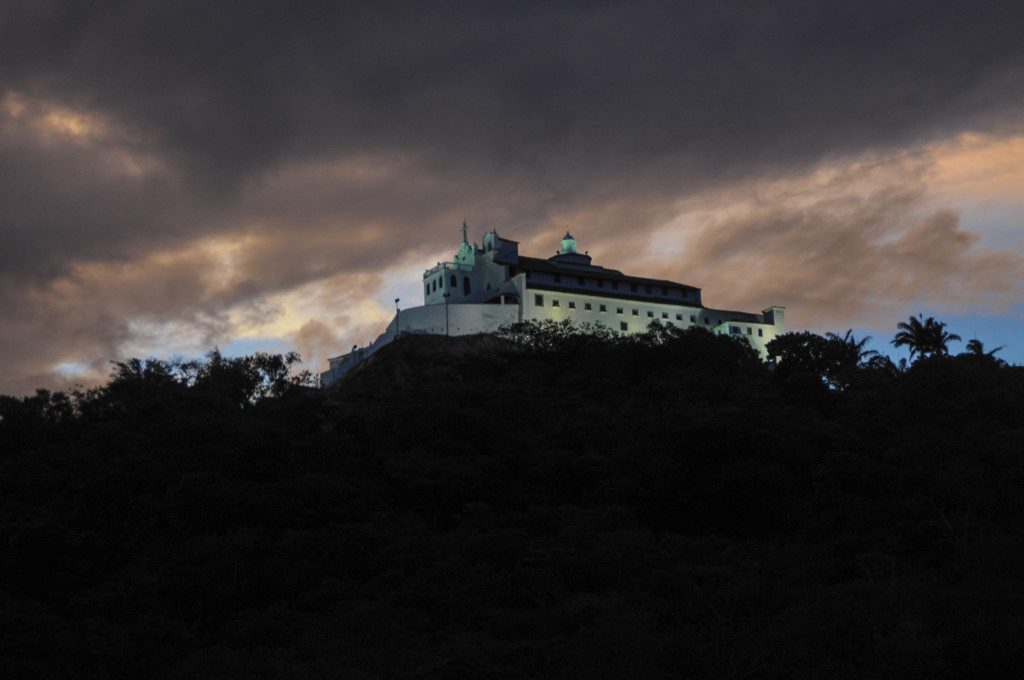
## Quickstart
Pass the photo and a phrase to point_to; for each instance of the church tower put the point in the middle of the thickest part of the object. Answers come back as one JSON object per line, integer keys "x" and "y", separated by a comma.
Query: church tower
{"x": 467, "y": 253}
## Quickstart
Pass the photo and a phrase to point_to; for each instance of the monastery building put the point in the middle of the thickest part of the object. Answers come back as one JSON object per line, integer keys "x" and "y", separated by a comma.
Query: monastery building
{"x": 491, "y": 285}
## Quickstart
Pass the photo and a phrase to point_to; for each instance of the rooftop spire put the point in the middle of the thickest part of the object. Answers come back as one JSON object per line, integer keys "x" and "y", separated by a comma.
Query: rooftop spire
{"x": 465, "y": 230}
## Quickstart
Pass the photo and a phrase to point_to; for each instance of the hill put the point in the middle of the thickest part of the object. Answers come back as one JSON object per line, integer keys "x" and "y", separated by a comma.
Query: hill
{"x": 547, "y": 504}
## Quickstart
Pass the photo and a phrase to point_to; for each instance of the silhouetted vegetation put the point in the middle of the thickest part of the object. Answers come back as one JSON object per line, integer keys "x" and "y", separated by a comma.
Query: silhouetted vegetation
{"x": 924, "y": 337}
{"x": 546, "y": 503}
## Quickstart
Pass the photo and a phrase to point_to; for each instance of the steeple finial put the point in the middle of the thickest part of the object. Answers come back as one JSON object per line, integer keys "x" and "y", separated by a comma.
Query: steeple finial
{"x": 465, "y": 230}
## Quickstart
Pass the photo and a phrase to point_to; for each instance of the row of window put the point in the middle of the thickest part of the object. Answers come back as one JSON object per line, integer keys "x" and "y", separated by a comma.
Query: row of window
{"x": 433, "y": 285}
{"x": 538, "y": 300}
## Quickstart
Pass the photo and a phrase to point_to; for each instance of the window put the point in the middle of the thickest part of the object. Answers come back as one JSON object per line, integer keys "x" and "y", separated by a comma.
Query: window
{"x": 618, "y": 310}
{"x": 538, "y": 300}
{"x": 750, "y": 331}
{"x": 707, "y": 321}
{"x": 679, "y": 317}
{"x": 664, "y": 315}
{"x": 427, "y": 289}
{"x": 572, "y": 305}
{"x": 650, "y": 314}
{"x": 647, "y": 288}
{"x": 636, "y": 312}
{"x": 623, "y": 326}
{"x": 554, "y": 303}
{"x": 455, "y": 281}
{"x": 693, "y": 318}
{"x": 615, "y": 285}
{"x": 735, "y": 330}
{"x": 760, "y": 332}
{"x": 600, "y": 283}
{"x": 718, "y": 322}
{"x": 632, "y": 287}
{"x": 664, "y": 290}
{"x": 511, "y": 271}
{"x": 685, "y": 293}
{"x": 603, "y": 308}
{"x": 465, "y": 286}
{"x": 558, "y": 278}
{"x": 582, "y": 281}
{"x": 586, "y": 306}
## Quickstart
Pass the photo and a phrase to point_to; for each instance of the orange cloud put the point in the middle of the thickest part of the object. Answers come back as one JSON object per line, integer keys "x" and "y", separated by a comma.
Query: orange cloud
{"x": 852, "y": 241}
{"x": 979, "y": 167}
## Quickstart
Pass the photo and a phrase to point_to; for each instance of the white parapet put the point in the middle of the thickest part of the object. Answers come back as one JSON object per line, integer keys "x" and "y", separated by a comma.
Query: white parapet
{"x": 437, "y": 319}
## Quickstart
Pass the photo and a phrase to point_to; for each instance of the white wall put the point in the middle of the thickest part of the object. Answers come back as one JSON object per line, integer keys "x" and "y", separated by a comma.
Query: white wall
{"x": 759, "y": 342}
{"x": 664, "y": 314}
{"x": 461, "y": 319}
{"x": 646, "y": 312}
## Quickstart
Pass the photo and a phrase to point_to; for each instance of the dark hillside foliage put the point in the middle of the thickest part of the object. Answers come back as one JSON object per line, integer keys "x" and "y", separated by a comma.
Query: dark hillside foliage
{"x": 544, "y": 503}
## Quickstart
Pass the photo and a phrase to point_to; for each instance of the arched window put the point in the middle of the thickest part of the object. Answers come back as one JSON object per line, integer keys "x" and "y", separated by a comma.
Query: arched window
{"x": 455, "y": 281}
{"x": 426, "y": 288}
{"x": 465, "y": 285}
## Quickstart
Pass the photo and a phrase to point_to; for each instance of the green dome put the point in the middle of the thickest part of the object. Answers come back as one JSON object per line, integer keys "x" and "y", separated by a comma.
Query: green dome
{"x": 568, "y": 243}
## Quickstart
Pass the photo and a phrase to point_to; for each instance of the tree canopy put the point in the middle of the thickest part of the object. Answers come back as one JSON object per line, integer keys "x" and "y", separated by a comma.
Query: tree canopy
{"x": 924, "y": 337}
{"x": 546, "y": 504}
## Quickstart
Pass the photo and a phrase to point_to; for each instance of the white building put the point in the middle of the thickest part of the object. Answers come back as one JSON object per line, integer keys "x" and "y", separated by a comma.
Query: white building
{"x": 488, "y": 286}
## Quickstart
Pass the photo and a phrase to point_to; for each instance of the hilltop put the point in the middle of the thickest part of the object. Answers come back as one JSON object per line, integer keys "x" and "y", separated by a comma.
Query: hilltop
{"x": 543, "y": 504}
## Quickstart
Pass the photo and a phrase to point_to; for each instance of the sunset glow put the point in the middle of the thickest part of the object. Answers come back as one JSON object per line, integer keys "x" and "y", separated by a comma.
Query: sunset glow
{"x": 192, "y": 202}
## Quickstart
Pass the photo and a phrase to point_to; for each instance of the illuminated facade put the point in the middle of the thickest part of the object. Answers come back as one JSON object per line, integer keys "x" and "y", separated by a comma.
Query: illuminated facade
{"x": 487, "y": 286}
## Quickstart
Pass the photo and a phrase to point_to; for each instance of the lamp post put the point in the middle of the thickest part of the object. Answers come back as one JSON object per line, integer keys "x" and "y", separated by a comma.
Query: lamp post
{"x": 447, "y": 294}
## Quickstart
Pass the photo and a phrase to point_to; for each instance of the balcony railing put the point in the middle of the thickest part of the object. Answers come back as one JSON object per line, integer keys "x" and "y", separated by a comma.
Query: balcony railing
{"x": 448, "y": 266}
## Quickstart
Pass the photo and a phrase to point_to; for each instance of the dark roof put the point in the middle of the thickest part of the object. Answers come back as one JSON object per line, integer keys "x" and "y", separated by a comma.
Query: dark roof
{"x": 539, "y": 265}
{"x": 613, "y": 294}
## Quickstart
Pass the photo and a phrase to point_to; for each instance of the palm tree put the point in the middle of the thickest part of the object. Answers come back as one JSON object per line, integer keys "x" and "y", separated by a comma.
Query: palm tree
{"x": 843, "y": 355}
{"x": 976, "y": 348}
{"x": 853, "y": 350}
{"x": 926, "y": 337}
{"x": 911, "y": 333}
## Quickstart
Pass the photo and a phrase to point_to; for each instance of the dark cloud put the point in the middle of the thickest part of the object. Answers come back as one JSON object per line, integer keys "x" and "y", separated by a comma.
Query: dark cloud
{"x": 568, "y": 92}
{"x": 341, "y": 137}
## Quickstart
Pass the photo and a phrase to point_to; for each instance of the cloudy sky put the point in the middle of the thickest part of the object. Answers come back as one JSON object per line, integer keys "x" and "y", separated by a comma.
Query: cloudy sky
{"x": 176, "y": 176}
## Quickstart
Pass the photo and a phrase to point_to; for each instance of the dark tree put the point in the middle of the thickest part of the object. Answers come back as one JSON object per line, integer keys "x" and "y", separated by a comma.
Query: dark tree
{"x": 924, "y": 337}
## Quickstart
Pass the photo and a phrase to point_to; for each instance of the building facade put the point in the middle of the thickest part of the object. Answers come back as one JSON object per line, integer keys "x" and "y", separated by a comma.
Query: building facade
{"x": 490, "y": 285}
